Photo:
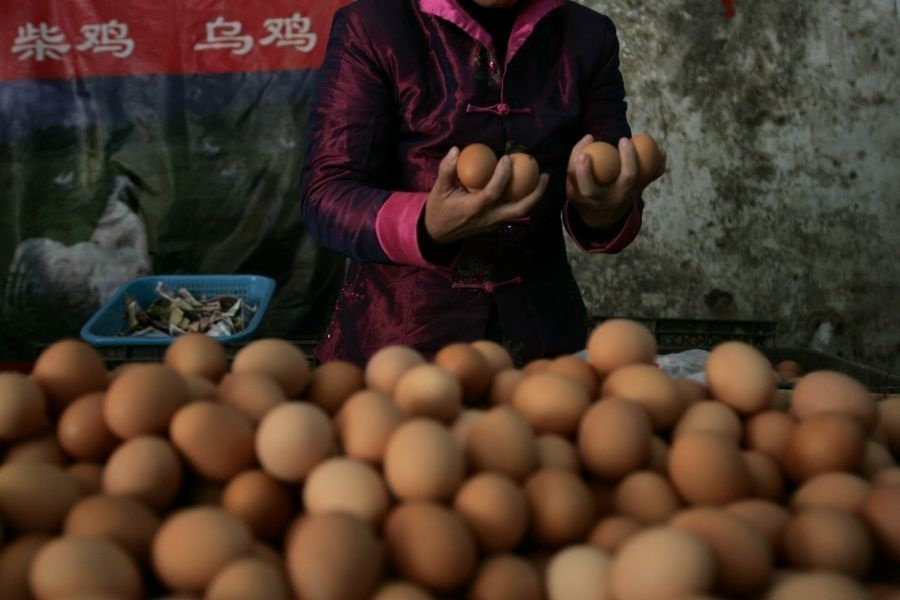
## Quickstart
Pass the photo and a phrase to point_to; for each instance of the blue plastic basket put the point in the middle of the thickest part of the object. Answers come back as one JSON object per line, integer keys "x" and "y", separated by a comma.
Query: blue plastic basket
{"x": 109, "y": 326}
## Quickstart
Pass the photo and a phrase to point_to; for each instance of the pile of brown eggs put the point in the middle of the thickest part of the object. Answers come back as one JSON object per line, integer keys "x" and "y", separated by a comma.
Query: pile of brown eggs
{"x": 456, "y": 477}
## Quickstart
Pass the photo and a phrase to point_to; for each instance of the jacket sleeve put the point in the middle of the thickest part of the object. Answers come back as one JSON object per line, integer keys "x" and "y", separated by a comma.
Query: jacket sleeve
{"x": 605, "y": 119}
{"x": 346, "y": 200}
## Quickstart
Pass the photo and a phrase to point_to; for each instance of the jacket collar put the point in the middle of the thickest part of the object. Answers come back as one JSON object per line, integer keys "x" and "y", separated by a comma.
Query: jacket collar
{"x": 532, "y": 12}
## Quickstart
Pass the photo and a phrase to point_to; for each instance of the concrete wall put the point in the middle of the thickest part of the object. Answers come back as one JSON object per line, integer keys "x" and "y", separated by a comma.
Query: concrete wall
{"x": 782, "y": 200}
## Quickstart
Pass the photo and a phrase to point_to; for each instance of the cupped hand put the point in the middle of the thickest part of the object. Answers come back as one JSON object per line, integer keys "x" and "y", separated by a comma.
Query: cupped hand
{"x": 601, "y": 206}
{"x": 453, "y": 213}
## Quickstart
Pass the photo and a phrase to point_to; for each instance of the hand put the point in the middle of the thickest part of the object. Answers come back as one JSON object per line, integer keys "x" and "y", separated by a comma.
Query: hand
{"x": 452, "y": 213}
{"x": 601, "y": 206}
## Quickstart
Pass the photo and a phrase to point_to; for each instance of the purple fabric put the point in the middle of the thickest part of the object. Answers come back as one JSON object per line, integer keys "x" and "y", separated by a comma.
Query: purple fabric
{"x": 405, "y": 80}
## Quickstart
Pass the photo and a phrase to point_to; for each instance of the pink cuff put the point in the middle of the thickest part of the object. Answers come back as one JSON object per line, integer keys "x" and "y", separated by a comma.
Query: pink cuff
{"x": 396, "y": 227}
{"x": 608, "y": 242}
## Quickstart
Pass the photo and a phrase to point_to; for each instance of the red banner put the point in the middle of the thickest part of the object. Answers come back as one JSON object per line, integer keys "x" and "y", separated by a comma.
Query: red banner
{"x": 42, "y": 39}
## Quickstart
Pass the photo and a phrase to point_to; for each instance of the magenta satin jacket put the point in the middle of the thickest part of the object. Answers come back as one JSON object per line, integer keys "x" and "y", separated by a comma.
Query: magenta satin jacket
{"x": 405, "y": 80}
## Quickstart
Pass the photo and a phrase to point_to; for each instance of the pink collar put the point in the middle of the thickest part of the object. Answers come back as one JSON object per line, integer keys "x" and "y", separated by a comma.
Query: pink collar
{"x": 532, "y": 12}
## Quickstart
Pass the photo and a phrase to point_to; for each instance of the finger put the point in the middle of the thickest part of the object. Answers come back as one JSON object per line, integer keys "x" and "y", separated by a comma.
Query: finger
{"x": 497, "y": 183}
{"x": 577, "y": 150}
{"x": 628, "y": 158}
{"x": 584, "y": 176}
{"x": 446, "y": 177}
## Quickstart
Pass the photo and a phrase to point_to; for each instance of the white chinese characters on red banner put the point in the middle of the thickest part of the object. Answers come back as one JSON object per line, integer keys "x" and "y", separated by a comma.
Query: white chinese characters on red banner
{"x": 46, "y": 39}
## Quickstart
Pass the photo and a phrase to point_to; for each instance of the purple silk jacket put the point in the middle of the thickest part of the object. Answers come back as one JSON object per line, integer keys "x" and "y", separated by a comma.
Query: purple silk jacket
{"x": 402, "y": 82}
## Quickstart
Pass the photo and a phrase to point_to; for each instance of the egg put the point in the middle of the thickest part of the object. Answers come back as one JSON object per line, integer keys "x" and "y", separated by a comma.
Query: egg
{"x": 765, "y": 473}
{"x": 423, "y": 461}
{"x": 35, "y": 497}
{"x": 524, "y": 177}
{"x": 740, "y": 376}
{"x": 578, "y": 369}
{"x": 551, "y": 403}
{"x": 822, "y": 585}
{"x": 401, "y": 590}
{"x": 43, "y": 447}
{"x": 611, "y": 531}
{"x": 69, "y": 369}
{"x": 829, "y": 391}
{"x": 346, "y": 485}
{"x": 497, "y": 356}
{"x": 475, "y": 166}
{"x": 428, "y": 390}
{"x": 649, "y": 158}
{"x": 197, "y": 354}
{"x": 254, "y": 394}
{"x": 143, "y": 399}
{"x": 470, "y": 367}
{"x": 128, "y": 523}
{"x": 23, "y": 407}
{"x": 506, "y": 576}
{"x": 496, "y": 510}
{"x": 146, "y": 468}
{"x": 15, "y": 562}
{"x": 619, "y": 342}
{"x": 647, "y": 497}
{"x": 216, "y": 441}
{"x": 559, "y": 452}
{"x": 283, "y": 361}
{"x": 682, "y": 565}
{"x": 263, "y": 503}
{"x": 825, "y": 442}
{"x": 651, "y": 388}
{"x": 579, "y": 572}
{"x": 769, "y": 432}
{"x": 889, "y": 419}
{"x": 248, "y": 578}
{"x": 605, "y": 161}
{"x": 562, "y": 507}
{"x": 292, "y": 439}
{"x": 831, "y": 489}
{"x": 430, "y": 544}
{"x": 503, "y": 386}
{"x": 87, "y": 475}
{"x": 879, "y": 511}
{"x": 365, "y": 423}
{"x": 501, "y": 440}
{"x": 614, "y": 438}
{"x": 767, "y": 517}
{"x": 829, "y": 539}
{"x": 385, "y": 366}
{"x": 333, "y": 382}
{"x": 72, "y": 566}
{"x": 709, "y": 415}
{"x": 708, "y": 468}
{"x": 193, "y": 544}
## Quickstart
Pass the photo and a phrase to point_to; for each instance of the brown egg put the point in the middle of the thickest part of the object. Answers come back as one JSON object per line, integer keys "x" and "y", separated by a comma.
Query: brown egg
{"x": 254, "y": 394}
{"x": 558, "y": 452}
{"x": 497, "y": 356}
{"x": 333, "y": 556}
{"x": 365, "y": 423}
{"x": 430, "y": 545}
{"x": 610, "y": 532}
{"x": 81, "y": 430}
{"x": 248, "y": 578}
{"x": 710, "y": 415}
{"x": 503, "y": 386}
{"x": 470, "y": 367}
{"x": 428, "y": 390}
{"x": 216, "y": 441}
{"x": 475, "y": 166}
{"x": 88, "y": 476}
{"x": 769, "y": 432}
{"x": 536, "y": 366}
{"x": 200, "y": 388}
{"x": 35, "y": 497}
{"x": 768, "y": 481}
{"x": 496, "y": 510}
{"x": 708, "y": 468}
{"x": 605, "y": 161}
{"x": 649, "y": 159}
{"x": 69, "y": 369}
{"x": 346, "y": 485}
{"x": 619, "y": 342}
{"x": 386, "y": 365}
{"x": 260, "y": 501}
{"x": 889, "y": 420}
{"x": 658, "y": 459}
{"x": 126, "y": 522}
{"x": 43, "y": 447}
{"x": 740, "y": 376}
{"x": 143, "y": 399}
{"x": 682, "y": 565}
{"x": 647, "y": 497}
{"x": 15, "y": 561}
{"x": 502, "y": 441}
{"x": 691, "y": 390}
{"x": 877, "y": 458}
{"x": 825, "y": 442}
{"x": 524, "y": 177}
{"x": 506, "y": 576}
{"x": 422, "y": 461}
{"x": 767, "y": 517}
{"x": 880, "y": 511}
{"x": 333, "y": 382}
{"x": 829, "y": 539}
{"x": 72, "y": 566}
{"x": 579, "y": 572}
{"x": 551, "y": 402}
{"x": 614, "y": 438}
{"x": 562, "y": 507}
{"x": 650, "y": 387}
{"x": 789, "y": 369}
{"x": 833, "y": 489}
{"x": 283, "y": 361}
{"x": 292, "y": 439}
{"x": 146, "y": 468}
{"x": 889, "y": 476}
{"x": 463, "y": 424}
{"x": 578, "y": 369}
{"x": 829, "y": 391}
{"x": 23, "y": 407}
{"x": 197, "y": 354}
{"x": 821, "y": 585}
{"x": 745, "y": 559}
{"x": 401, "y": 590}
{"x": 194, "y": 544}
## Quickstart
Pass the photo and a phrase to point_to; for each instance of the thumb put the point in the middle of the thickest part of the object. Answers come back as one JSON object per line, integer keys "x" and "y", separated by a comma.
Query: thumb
{"x": 446, "y": 177}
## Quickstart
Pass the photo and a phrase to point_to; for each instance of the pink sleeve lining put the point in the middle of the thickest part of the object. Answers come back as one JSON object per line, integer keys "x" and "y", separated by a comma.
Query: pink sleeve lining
{"x": 396, "y": 227}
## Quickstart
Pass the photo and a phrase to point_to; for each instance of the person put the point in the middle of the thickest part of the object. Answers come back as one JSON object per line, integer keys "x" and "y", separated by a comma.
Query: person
{"x": 406, "y": 84}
